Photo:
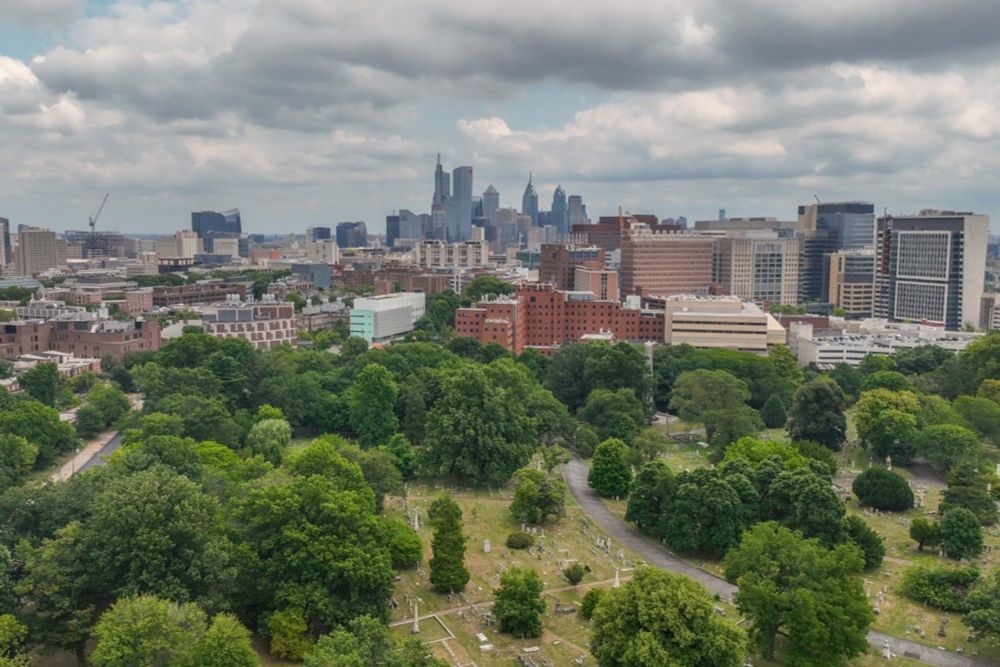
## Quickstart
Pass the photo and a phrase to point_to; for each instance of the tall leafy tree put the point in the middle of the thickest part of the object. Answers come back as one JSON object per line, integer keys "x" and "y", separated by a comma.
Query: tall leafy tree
{"x": 982, "y": 414}
{"x": 372, "y": 399}
{"x": 614, "y": 414}
{"x": 797, "y": 585}
{"x": 270, "y": 438}
{"x": 863, "y": 537}
{"x": 537, "y": 497}
{"x": 661, "y": 618}
{"x": 707, "y": 511}
{"x": 883, "y": 489}
{"x": 448, "y": 571}
{"x": 618, "y": 366}
{"x": 610, "y": 473}
{"x": 39, "y": 425}
{"x": 961, "y": 534}
{"x": 773, "y": 413}
{"x": 41, "y": 383}
{"x": 892, "y": 433}
{"x": 967, "y": 487}
{"x": 784, "y": 361}
{"x": 518, "y": 604}
{"x": 697, "y": 393}
{"x": 650, "y": 490}
{"x": 17, "y": 457}
{"x": 723, "y": 427}
{"x": 946, "y": 445}
{"x": 366, "y": 642}
{"x": 817, "y": 413}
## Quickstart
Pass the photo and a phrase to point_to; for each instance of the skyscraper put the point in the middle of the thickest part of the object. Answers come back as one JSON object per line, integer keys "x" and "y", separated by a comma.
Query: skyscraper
{"x": 352, "y": 235}
{"x": 318, "y": 234}
{"x": 459, "y": 215}
{"x": 577, "y": 211}
{"x": 39, "y": 250}
{"x": 559, "y": 215}
{"x": 391, "y": 230}
{"x": 6, "y": 256}
{"x": 529, "y": 202}
{"x": 826, "y": 228}
{"x": 930, "y": 267}
{"x": 491, "y": 204}
{"x": 442, "y": 184}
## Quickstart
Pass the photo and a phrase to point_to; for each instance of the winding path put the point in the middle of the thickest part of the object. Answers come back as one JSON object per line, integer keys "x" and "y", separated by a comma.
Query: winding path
{"x": 575, "y": 473}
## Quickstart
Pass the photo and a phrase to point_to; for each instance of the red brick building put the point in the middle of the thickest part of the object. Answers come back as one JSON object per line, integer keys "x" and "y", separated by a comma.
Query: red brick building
{"x": 558, "y": 263}
{"x": 81, "y": 338}
{"x": 544, "y": 318}
{"x": 662, "y": 264}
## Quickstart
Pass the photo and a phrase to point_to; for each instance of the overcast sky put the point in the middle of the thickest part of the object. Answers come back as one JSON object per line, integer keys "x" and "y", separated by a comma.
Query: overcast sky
{"x": 310, "y": 112}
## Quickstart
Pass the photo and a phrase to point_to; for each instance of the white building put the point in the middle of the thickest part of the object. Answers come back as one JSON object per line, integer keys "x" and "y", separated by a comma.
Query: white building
{"x": 324, "y": 251}
{"x": 380, "y": 318}
{"x": 720, "y": 321}
{"x": 871, "y": 337}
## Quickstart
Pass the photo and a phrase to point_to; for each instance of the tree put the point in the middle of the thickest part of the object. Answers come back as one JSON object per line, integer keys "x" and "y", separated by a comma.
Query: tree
{"x": 754, "y": 450}
{"x": 648, "y": 445}
{"x": 891, "y": 380}
{"x": 156, "y": 532}
{"x": 610, "y": 474}
{"x": 366, "y": 642}
{"x": 404, "y": 543}
{"x": 590, "y": 601}
{"x": 403, "y": 455}
{"x": 945, "y": 445}
{"x": 961, "y": 534}
{"x": 89, "y": 421}
{"x": 618, "y": 366}
{"x": 891, "y": 434}
{"x": 697, "y": 393}
{"x": 287, "y": 630}
{"x": 967, "y": 488}
{"x": 482, "y": 286}
{"x": 862, "y": 536}
{"x": 925, "y": 532}
{"x": 939, "y": 587}
{"x": 372, "y": 398}
{"x": 819, "y": 455}
{"x": 146, "y": 631}
{"x": 817, "y": 413}
{"x": 41, "y": 383}
{"x": 773, "y": 413}
{"x": 921, "y": 359}
{"x": 982, "y": 414}
{"x": 983, "y": 604}
{"x": 12, "y": 636}
{"x": 784, "y": 361}
{"x": 707, "y": 511}
{"x": 518, "y": 605}
{"x": 575, "y": 572}
{"x": 17, "y": 456}
{"x": 565, "y": 375}
{"x": 112, "y": 403}
{"x": 537, "y": 497}
{"x": 848, "y": 378}
{"x": 40, "y": 425}
{"x": 723, "y": 427}
{"x": 781, "y": 575}
{"x": 883, "y": 489}
{"x": 661, "y": 618}
{"x": 269, "y": 438}
{"x": 614, "y": 414}
{"x": 650, "y": 489}
{"x": 448, "y": 571}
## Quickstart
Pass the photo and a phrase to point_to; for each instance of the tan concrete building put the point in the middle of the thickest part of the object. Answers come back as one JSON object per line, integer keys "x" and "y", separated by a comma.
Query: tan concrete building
{"x": 852, "y": 282}
{"x": 602, "y": 283}
{"x": 726, "y": 322}
{"x": 662, "y": 264}
{"x": 462, "y": 255}
{"x": 759, "y": 267}
{"x": 39, "y": 250}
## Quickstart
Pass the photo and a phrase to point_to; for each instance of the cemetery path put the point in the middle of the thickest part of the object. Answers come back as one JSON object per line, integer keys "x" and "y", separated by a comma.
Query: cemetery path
{"x": 575, "y": 474}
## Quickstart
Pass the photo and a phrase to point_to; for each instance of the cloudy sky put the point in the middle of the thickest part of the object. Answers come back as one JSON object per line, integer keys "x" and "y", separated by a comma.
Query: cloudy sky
{"x": 306, "y": 112}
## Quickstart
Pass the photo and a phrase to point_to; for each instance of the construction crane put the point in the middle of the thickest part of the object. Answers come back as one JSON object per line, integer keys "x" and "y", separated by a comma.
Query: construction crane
{"x": 93, "y": 220}
{"x": 817, "y": 199}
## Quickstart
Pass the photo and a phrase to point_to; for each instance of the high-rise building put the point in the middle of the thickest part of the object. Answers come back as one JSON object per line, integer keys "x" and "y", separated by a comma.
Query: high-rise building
{"x": 507, "y": 232}
{"x": 930, "y": 267}
{"x": 529, "y": 202}
{"x": 662, "y": 264}
{"x": 6, "y": 252}
{"x": 460, "y": 212}
{"x": 318, "y": 234}
{"x": 577, "y": 211}
{"x": 39, "y": 250}
{"x": 759, "y": 267}
{"x": 559, "y": 215}
{"x": 826, "y": 228}
{"x": 852, "y": 282}
{"x": 185, "y": 244}
{"x": 209, "y": 225}
{"x": 558, "y": 263}
{"x": 491, "y": 204}
{"x": 352, "y": 235}
{"x": 391, "y": 230}
{"x": 442, "y": 184}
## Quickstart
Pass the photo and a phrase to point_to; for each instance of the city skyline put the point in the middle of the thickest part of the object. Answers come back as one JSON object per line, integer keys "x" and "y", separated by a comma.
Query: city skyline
{"x": 185, "y": 106}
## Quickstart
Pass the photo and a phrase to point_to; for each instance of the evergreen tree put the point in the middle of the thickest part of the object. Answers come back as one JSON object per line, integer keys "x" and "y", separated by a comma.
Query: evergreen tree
{"x": 967, "y": 488}
{"x": 610, "y": 474}
{"x": 448, "y": 571}
{"x": 773, "y": 412}
{"x": 961, "y": 534}
{"x": 925, "y": 532}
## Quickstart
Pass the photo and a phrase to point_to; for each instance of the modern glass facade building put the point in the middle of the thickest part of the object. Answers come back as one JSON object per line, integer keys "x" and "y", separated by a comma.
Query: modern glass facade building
{"x": 827, "y": 228}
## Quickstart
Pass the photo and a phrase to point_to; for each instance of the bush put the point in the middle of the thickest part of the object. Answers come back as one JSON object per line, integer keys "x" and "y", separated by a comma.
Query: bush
{"x": 940, "y": 587}
{"x": 590, "y": 601}
{"x": 520, "y": 540}
{"x": 883, "y": 489}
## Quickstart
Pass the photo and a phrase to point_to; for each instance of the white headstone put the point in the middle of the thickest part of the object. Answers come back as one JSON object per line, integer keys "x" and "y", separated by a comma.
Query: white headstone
{"x": 487, "y": 547}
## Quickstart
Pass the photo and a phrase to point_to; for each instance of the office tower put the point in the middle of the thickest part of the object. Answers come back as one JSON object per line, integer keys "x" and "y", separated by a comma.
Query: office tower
{"x": 930, "y": 267}
{"x": 826, "y": 228}
{"x": 459, "y": 207}
{"x": 759, "y": 266}
{"x": 852, "y": 282}
{"x": 185, "y": 245}
{"x": 507, "y": 231}
{"x": 442, "y": 184}
{"x": 662, "y": 264}
{"x": 6, "y": 254}
{"x": 411, "y": 225}
{"x": 233, "y": 222}
{"x": 529, "y": 202}
{"x": 209, "y": 225}
{"x": 577, "y": 211}
{"x": 39, "y": 250}
{"x": 391, "y": 230}
{"x": 559, "y": 215}
{"x": 352, "y": 235}
{"x": 491, "y": 204}
{"x": 318, "y": 234}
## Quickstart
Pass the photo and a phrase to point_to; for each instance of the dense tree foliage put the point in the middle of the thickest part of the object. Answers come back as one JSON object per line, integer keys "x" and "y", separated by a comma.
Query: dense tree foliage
{"x": 448, "y": 571}
{"x": 946, "y": 445}
{"x": 41, "y": 383}
{"x": 650, "y": 490}
{"x": 372, "y": 399}
{"x": 366, "y": 642}
{"x": 938, "y": 586}
{"x": 883, "y": 489}
{"x": 798, "y": 585}
{"x": 968, "y": 488}
{"x": 661, "y": 618}
{"x": 863, "y": 537}
{"x": 817, "y": 413}
{"x": 538, "y": 497}
{"x": 614, "y": 414}
{"x": 610, "y": 473}
{"x": 925, "y": 533}
{"x": 961, "y": 534}
{"x": 518, "y": 604}
{"x": 983, "y": 604}
{"x": 698, "y": 393}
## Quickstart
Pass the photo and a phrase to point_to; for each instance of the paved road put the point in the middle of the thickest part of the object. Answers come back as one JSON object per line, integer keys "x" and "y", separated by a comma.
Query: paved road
{"x": 575, "y": 473}
{"x": 100, "y": 458}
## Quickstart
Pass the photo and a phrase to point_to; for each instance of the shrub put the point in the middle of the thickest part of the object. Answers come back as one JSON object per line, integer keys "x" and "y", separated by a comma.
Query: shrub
{"x": 575, "y": 572}
{"x": 940, "y": 587}
{"x": 883, "y": 489}
{"x": 520, "y": 540}
{"x": 590, "y": 601}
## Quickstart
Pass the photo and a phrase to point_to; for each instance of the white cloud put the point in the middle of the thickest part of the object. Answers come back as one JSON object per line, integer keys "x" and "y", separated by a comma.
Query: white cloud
{"x": 40, "y": 12}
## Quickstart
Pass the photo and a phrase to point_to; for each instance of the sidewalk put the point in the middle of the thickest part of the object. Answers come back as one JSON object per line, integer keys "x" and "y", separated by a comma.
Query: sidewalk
{"x": 83, "y": 456}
